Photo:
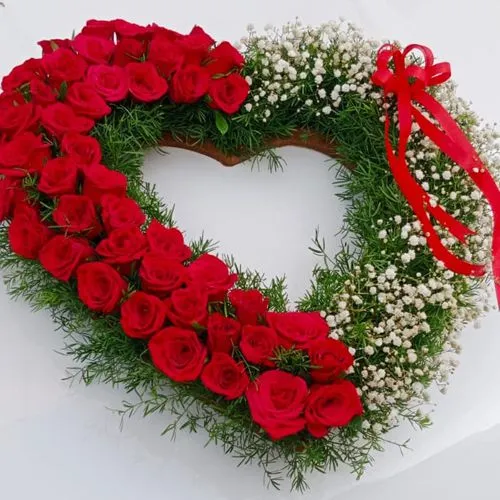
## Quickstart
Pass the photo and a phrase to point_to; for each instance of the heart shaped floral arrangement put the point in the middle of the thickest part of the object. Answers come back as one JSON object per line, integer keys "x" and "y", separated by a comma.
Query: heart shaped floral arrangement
{"x": 189, "y": 333}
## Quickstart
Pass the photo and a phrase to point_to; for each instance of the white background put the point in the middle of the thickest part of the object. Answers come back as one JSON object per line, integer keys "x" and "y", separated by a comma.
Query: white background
{"x": 61, "y": 442}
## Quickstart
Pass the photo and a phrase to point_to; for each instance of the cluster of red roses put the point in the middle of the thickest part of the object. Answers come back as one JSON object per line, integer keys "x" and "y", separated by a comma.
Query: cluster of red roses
{"x": 95, "y": 234}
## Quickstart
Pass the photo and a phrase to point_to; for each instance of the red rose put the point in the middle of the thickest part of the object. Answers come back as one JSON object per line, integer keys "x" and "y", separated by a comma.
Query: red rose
{"x": 224, "y": 376}
{"x": 64, "y": 65}
{"x": 25, "y": 154}
{"x": 333, "y": 405}
{"x": 250, "y": 305}
{"x": 276, "y": 400}
{"x": 100, "y": 287}
{"x": 222, "y": 333}
{"x": 131, "y": 30}
{"x": 228, "y": 93}
{"x": 187, "y": 307}
{"x": 110, "y": 82}
{"x": 9, "y": 190}
{"x": 16, "y": 115}
{"x": 212, "y": 275}
{"x": 329, "y": 359}
{"x": 60, "y": 118}
{"x": 223, "y": 59}
{"x": 166, "y": 55}
{"x": 122, "y": 246}
{"x": 75, "y": 213}
{"x": 178, "y": 353}
{"x": 167, "y": 241}
{"x": 59, "y": 176}
{"x": 160, "y": 275}
{"x": 189, "y": 84}
{"x": 41, "y": 93}
{"x": 258, "y": 344}
{"x": 94, "y": 49}
{"x": 120, "y": 211}
{"x": 21, "y": 74}
{"x": 104, "y": 29}
{"x": 27, "y": 233}
{"x": 145, "y": 84}
{"x": 100, "y": 180}
{"x": 61, "y": 255}
{"x": 129, "y": 50}
{"x": 86, "y": 101}
{"x": 142, "y": 315}
{"x": 196, "y": 45}
{"x": 298, "y": 329}
{"x": 85, "y": 150}
{"x": 49, "y": 46}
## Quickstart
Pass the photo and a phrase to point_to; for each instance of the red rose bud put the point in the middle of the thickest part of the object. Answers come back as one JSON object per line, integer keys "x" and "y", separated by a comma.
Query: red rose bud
{"x": 258, "y": 344}
{"x": 161, "y": 276}
{"x": 223, "y": 59}
{"x": 41, "y": 93}
{"x": 59, "y": 176}
{"x": 60, "y": 119}
{"x": 187, "y": 307}
{"x": 228, "y": 93}
{"x": 250, "y": 305}
{"x": 122, "y": 246}
{"x": 276, "y": 400}
{"x": 298, "y": 329}
{"x": 49, "y": 46}
{"x": 61, "y": 255}
{"x": 333, "y": 405}
{"x": 132, "y": 30}
{"x": 224, "y": 376}
{"x": 212, "y": 274}
{"x": 142, "y": 315}
{"x": 86, "y": 101}
{"x": 329, "y": 358}
{"x": 166, "y": 55}
{"x": 120, "y": 211}
{"x": 16, "y": 115}
{"x": 25, "y": 154}
{"x": 100, "y": 287}
{"x": 100, "y": 180}
{"x": 129, "y": 50}
{"x": 27, "y": 233}
{"x": 145, "y": 84}
{"x": 189, "y": 84}
{"x": 223, "y": 333}
{"x": 23, "y": 73}
{"x": 167, "y": 241}
{"x": 110, "y": 82}
{"x": 178, "y": 353}
{"x": 94, "y": 49}
{"x": 64, "y": 65}
{"x": 76, "y": 214}
{"x": 84, "y": 150}
{"x": 196, "y": 45}
{"x": 103, "y": 29}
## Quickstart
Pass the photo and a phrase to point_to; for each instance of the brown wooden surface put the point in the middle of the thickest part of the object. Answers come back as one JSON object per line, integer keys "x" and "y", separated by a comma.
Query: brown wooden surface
{"x": 300, "y": 138}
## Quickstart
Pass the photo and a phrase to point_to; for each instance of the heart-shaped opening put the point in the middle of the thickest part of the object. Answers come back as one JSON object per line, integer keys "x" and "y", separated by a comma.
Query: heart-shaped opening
{"x": 267, "y": 221}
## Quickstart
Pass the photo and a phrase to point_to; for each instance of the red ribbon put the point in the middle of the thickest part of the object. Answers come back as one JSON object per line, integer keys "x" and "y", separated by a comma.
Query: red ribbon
{"x": 409, "y": 83}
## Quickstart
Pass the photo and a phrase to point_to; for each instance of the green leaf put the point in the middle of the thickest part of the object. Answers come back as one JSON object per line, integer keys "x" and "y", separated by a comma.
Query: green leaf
{"x": 63, "y": 90}
{"x": 221, "y": 123}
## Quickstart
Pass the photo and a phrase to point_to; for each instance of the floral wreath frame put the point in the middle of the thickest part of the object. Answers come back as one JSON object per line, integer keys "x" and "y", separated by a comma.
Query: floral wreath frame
{"x": 84, "y": 236}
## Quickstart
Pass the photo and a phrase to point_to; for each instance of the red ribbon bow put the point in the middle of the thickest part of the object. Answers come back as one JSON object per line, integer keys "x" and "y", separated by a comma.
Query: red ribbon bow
{"x": 409, "y": 83}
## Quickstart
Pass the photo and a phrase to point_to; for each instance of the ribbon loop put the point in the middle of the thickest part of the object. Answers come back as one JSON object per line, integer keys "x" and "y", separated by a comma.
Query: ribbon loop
{"x": 409, "y": 83}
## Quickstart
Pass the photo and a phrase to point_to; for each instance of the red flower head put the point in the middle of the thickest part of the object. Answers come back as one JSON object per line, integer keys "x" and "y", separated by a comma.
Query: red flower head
{"x": 85, "y": 150}
{"x": 122, "y": 246}
{"x": 167, "y": 241}
{"x": 178, "y": 353}
{"x": 187, "y": 307}
{"x": 329, "y": 358}
{"x": 94, "y": 49}
{"x": 85, "y": 101}
{"x": 59, "y": 176}
{"x": 60, "y": 119}
{"x": 76, "y": 214}
{"x": 229, "y": 93}
{"x": 276, "y": 400}
{"x": 145, "y": 84}
{"x": 120, "y": 211}
{"x": 258, "y": 344}
{"x": 64, "y": 65}
{"x": 224, "y": 376}
{"x": 110, "y": 82}
{"x": 100, "y": 181}
{"x": 142, "y": 315}
{"x": 223, "y": 333}
{"x": 333, "y": 405}
{"x": 160, "y": 275}
{"x": 224, "y": 58}
{"x": 189, "y": 84}
{"x": 250, "y": 305}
